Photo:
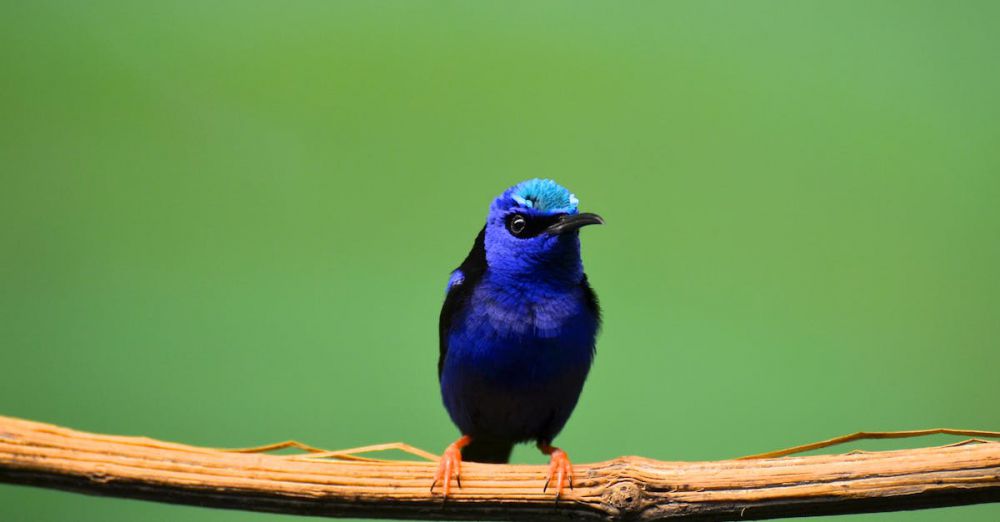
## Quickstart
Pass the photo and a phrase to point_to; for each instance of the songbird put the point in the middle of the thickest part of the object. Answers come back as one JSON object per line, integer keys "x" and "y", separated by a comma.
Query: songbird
{"x": 517, "y": 331}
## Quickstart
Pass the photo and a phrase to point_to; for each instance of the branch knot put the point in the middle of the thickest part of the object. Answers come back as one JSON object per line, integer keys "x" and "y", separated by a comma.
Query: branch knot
{"x": 624, "y": 498}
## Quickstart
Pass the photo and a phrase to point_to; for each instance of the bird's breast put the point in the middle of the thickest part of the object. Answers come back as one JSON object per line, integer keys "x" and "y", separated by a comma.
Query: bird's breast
{"x": 507, "y": 310}
{"x": 515, "y": 336}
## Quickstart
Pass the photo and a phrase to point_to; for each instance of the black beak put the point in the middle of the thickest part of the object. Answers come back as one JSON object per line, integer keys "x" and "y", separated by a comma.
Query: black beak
{"x": 570, "y": 222}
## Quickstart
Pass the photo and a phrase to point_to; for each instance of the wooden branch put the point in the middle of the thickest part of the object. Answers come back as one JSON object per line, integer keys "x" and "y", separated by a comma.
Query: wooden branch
{"x": 626, "y": 488}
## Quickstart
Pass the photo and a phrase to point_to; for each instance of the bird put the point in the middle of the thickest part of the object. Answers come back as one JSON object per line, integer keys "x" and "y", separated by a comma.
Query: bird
{"x": 518, "y": 331}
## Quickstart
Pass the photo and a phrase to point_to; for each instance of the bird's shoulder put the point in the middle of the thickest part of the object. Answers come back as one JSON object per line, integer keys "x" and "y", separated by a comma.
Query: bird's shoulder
{"x": 471, "y": 269}
{"x": 590, "y": 299}
{"x": 590, "y": 296}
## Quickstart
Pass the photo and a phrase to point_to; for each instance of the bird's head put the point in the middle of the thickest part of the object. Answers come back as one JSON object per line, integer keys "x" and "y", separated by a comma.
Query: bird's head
{"x": 531, "y": 231}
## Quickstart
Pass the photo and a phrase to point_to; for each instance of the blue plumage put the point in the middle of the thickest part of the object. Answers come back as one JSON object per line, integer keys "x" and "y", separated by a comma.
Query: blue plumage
{"x": 517, "y": 328}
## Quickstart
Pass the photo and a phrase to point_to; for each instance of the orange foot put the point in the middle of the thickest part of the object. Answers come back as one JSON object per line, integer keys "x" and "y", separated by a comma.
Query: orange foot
{"x": 560, "y": 468}
{"x": 450, "y": 465}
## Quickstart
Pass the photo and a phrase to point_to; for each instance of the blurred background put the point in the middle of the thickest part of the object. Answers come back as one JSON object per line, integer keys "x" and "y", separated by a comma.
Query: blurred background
{"x": 229, "y": 223}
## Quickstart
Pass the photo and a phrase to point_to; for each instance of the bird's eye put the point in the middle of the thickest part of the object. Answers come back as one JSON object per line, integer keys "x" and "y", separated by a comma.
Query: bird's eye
{"x": 517, "y": 224}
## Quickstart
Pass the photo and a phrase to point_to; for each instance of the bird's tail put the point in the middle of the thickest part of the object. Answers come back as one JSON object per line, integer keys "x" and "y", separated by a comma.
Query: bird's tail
{"x": 489, "y": 451}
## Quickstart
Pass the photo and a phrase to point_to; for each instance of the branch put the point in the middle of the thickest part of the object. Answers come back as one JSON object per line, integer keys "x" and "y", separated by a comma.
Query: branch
{"x": 630, "y": 488}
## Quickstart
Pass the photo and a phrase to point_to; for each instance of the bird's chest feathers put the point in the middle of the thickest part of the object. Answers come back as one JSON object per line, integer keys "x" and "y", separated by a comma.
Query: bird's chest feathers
{"x": 524, "y": 311}
{"x": 514, "y": 336}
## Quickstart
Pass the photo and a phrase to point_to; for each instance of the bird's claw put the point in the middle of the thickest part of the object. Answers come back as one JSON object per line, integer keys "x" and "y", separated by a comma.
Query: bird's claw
{"x": 449, "y": 466}
{"x": 561, "y": 469}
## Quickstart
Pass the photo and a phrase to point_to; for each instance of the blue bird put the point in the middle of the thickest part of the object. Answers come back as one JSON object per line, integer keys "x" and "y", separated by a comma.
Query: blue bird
{"x": 517, "y": 331}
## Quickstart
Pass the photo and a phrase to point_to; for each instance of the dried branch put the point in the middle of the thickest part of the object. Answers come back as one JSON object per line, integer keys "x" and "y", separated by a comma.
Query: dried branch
{"x": 874, "y": 435}
{"x": 627, "y": 488}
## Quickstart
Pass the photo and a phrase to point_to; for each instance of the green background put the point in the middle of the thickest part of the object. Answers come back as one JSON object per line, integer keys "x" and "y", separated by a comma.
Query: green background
{"x": 231, "y": 223}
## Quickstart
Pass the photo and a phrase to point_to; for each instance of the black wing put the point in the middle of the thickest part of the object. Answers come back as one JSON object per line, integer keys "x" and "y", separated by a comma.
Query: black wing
{"x": 593, "y": 303}
{"x": 458, "y": 294}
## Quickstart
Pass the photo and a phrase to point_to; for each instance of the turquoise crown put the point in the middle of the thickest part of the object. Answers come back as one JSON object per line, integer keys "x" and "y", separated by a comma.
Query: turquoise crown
{"x": 544, "y": 195}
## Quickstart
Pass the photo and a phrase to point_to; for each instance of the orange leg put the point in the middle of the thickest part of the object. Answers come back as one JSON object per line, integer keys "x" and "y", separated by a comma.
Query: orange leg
{"x": 450, "y": 465}
{"x": 560, "y": 468}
